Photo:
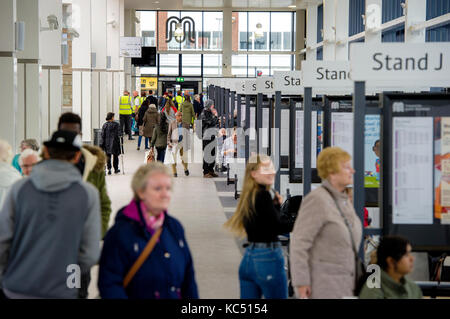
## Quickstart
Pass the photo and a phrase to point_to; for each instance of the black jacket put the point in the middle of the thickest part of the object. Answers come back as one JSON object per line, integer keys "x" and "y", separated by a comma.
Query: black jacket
{"x": 209, "y": 120}
{"x": 152, "y": 100}
{"x": 198, "y": 108}
{"x": 141, "y": 114}
{"x": 110, "y": 138}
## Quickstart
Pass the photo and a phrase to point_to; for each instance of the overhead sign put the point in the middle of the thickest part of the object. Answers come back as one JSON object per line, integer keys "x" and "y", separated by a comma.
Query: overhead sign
{"x": 265, "y": 84}
{"x": 240, "y": 87}
{"x": 401, "y": 64}
{"x": 326, "y": 74}
{"x": 250, "y": 87}
{"x": 131, "y": 47}
{"x": 289, "y": 82}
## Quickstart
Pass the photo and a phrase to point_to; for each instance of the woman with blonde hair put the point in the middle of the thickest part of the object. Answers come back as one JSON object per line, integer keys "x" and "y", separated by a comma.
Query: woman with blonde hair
{"x": 257, "y": 216}
{"x": 327, "y": 233}
{"x": 145, "y": 254}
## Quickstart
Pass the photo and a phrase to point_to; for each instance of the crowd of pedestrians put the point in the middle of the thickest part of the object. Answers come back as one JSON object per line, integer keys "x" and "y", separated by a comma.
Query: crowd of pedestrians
{"x": 66, "y": 216}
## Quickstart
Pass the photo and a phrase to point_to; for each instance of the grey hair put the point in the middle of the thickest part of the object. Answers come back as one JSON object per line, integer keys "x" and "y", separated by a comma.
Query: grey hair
{"x": 26, "y": 153}
{"x": 140, "y": 178}
{"x": 32, "y": 143}
{"x": 6, "y": 154}
{"x": 208, "y": 104}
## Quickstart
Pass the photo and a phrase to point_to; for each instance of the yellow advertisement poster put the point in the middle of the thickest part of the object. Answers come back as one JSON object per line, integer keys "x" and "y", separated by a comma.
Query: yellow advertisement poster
{"x": 149, "y": 84}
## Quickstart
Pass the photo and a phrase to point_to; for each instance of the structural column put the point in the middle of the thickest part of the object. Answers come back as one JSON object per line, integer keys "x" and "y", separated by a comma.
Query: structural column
{"x": 8, "y": 72}
{"x": 227, "y": 33}
{"x": 299, "y": 37}
{"x": 416, "y": 12}
{"x": 329, "y": 29}
{"x": 311, "y": 31}
{"x": 342, "y": 21}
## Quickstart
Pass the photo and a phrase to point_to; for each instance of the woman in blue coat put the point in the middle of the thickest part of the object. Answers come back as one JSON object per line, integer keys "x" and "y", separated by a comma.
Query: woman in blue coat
{"x": 168, "y": 272}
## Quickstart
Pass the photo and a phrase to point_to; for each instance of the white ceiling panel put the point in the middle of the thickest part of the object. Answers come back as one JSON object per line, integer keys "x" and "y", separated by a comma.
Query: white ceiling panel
{"x": 211, "y": 4}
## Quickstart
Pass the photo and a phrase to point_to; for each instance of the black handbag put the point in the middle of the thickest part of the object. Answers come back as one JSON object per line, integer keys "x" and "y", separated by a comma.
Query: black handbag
{"x": 361, "y": 274}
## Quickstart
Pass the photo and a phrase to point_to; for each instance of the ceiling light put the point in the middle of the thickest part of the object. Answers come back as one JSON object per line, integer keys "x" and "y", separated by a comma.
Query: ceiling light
{"x": 293, "y": 6}
{"x": 156, "y": 2}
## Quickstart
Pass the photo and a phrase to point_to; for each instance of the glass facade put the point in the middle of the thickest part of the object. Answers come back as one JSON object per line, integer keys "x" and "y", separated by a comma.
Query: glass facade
{"x": 251, "y": 32}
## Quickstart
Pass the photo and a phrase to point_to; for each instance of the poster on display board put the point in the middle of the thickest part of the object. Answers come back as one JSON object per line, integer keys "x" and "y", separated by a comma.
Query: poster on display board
{"x": 284, "y": 132}
{"x": 442, "y": 169}
{"x": 412, "y": 170}
{"x": 372, "y": 151}
{"x": 342, "y": 130}
{"x": 265, "y": 125}
{"x": 299, "y": 145}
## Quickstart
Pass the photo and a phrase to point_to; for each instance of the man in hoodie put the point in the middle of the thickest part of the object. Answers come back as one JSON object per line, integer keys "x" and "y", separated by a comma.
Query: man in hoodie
{"x": 91, "y": 165}
{"x": 49, "y": 239}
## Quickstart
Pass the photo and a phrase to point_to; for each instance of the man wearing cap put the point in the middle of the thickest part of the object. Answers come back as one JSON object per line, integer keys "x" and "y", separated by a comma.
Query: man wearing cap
{"x": 49, "y": 239}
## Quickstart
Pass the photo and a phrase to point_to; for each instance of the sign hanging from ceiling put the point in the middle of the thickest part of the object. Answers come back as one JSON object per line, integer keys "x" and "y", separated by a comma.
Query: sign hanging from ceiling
{"x": 401, "y": 64}
{"x": 130, "y": 47}
{"x": 288, "y": 82}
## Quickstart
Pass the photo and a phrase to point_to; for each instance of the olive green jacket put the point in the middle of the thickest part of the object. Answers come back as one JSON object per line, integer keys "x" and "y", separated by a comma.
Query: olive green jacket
{"x": 389, "y": 289}
{"x": 159, "y": 139}
{"x": 94, "y": 173}
{"x": 188, "y": 113}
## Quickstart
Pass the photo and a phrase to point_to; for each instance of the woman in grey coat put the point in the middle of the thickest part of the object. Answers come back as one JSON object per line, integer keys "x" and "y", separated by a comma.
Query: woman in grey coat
{"x": 321, "y": 249}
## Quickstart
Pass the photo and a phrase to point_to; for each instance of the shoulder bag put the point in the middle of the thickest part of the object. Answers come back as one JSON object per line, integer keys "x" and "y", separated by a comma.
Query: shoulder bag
{"x": 360, "y": 269}
{"x": 142, "y": 257}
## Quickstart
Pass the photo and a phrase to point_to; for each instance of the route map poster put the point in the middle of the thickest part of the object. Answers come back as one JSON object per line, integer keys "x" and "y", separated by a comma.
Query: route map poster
{"x": 442, "y": 169}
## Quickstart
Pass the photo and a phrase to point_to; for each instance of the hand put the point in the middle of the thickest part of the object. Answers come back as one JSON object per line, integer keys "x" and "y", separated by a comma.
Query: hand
{"x": 278, "y": 198}
{"x": 303, "y": 292}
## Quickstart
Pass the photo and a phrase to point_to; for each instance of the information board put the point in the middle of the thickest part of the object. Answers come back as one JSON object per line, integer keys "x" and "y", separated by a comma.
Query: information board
{"x": 372, "y": 151}
{"x": 130, "y": 47}
{"x": 299, "y": 127}
{"x": 342, "y": 131}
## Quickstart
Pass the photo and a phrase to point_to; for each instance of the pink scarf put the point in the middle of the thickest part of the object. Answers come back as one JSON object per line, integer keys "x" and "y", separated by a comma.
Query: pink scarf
{"x": 152, "y": 222}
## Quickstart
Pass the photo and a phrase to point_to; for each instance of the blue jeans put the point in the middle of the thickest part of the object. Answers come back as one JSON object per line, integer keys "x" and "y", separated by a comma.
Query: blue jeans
{"x": 262, "y": 273}
{"x": 140, "y": 139}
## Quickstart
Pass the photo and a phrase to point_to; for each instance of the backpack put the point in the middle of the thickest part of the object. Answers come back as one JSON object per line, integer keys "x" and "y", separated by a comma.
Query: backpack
{"x": 289, "y": 209}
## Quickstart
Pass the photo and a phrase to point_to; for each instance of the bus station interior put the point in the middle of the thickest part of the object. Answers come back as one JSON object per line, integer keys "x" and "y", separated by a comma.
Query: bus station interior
{"x": 290, "y": 76}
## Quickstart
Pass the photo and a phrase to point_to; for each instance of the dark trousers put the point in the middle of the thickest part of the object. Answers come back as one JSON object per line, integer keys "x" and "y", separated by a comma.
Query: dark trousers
{"x": 208, "y": 167}
{"x": 125, "y": 123}
{"x": 85, "y": 280}
{"x": 115, "y": 161}
{"x": 161, "y": 154}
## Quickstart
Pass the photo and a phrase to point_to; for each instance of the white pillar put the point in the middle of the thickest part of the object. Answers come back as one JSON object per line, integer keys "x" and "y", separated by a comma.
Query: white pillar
{"x": 329, "y": 27}
{"x": 8, "y": 72}
{"x": 416, "y": 12}
{"x": 129, "y": 31}
{"x": 373, "y": 21}
{"x": 81, "y": 65}
{"x": 311, "y": 31}
{"x": 299, "y": 38}
{"x": 99, "y": 48}
{"x": 342, "y": 24}
{"x": 227, "y": 31}
{"x": 51, "y": 71}
{"x": 29, "y": 117}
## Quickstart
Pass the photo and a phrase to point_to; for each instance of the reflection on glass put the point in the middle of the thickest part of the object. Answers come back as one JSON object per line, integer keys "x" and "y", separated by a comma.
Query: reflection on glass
{"x": 197, "y": 17}
{"x": 259, "y": 27}
{"x": 191, "y": 64}
{"x": 168, "y": 64}
{"x": 212, "y": 64}
{"x": 258, "y": 65}
{"x": 280, "y": 62}
{"x": 162, "y": 19}
{"x": 239, "y": 65}
{"x": 148, "y": 27}
{"x": 280, "y": 32}
{"x": 212, "y": 38}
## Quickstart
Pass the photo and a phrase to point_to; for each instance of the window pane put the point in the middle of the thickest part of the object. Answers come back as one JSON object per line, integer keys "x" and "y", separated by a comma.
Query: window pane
{"x": 191, "y": 64}
{"x": 197, "y": 17}
{"x": 168, "y": 64}
{"x": 280, "y": 62}
{"x": 259, "y": 30}
{"x": 212, "y": 64}
{"x": 239, "y": 65}
{"x": 213, "y": 25}
{"x": 148, "y": 27}
{"x": 240, "y": 35}
{"x": 258, "y": 65}
{"x": 162, "y": 21}
{"x": 281, "y": 31}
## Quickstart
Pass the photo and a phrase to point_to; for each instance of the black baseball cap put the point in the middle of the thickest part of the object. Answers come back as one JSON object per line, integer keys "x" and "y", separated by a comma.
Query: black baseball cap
{"x": 67, "y": 140}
